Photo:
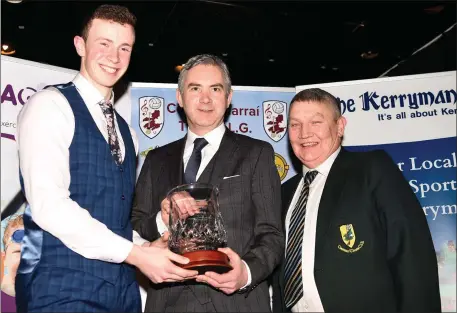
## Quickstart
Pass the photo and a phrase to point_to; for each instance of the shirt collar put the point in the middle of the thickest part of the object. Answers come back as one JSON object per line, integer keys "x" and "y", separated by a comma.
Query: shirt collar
{"x": 325, "y": 167}
{"x": 213, "y": 137}
{"x": 88, "y": 92}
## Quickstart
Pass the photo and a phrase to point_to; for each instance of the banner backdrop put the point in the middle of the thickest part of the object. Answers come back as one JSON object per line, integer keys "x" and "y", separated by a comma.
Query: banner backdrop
{"x": 259, "y": 112}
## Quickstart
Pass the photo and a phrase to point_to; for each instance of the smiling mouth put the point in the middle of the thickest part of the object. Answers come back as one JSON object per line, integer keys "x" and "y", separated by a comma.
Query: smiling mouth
{"x": 109, "y": 70}
{"x": 205, "y": 110}
{"x": 309, "y": 144}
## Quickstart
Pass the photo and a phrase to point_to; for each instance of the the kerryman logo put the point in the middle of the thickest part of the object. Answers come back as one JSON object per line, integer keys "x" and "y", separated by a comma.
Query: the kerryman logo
{"x": 15, "y": 95}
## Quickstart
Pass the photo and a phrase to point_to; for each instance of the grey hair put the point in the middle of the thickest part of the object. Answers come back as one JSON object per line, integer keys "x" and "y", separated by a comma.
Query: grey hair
{"x": 205, "y": 59}
{"x": 318, "y": 95}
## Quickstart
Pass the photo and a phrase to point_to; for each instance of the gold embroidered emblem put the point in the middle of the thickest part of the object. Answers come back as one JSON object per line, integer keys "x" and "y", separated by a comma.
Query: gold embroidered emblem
{"x": 348, "y": 235}
{"x": 281, "y": 166}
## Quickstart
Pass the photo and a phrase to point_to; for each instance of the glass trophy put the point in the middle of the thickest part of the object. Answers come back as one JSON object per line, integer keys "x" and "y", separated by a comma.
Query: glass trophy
{"x": 196, "y": 227}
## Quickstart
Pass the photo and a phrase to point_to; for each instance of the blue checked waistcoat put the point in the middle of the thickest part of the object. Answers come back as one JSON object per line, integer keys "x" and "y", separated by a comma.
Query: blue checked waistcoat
{"x": 97, "y": 185}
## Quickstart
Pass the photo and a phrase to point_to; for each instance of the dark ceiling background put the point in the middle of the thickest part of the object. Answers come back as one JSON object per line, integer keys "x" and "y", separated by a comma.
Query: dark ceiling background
{"x": 271, "y": 43}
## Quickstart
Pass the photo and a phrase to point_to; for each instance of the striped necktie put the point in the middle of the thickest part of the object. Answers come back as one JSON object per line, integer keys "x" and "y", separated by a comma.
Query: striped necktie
{"x": 293, "y": 290}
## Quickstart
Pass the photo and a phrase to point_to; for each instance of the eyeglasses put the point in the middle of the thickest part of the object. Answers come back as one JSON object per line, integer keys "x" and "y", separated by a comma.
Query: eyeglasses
{"x": 16, "y": 237}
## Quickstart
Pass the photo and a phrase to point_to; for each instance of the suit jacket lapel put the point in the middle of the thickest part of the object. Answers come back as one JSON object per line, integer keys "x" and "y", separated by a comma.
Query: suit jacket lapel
{"x": 220, "y": 164}
{"x": 174, "y": 164}
{"x": 330, "y": 196}
{"x": 288, "y": 194}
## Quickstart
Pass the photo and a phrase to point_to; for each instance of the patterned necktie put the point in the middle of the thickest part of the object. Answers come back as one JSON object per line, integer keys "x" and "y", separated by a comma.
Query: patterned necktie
{"x": 190, "y": 175}
{"x": 113, "y": 140}
{"x": 293, "y": 290}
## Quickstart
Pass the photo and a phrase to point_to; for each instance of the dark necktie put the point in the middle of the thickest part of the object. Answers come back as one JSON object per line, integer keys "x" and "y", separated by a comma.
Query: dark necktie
{"x": 190, "y": 175}
{"x": 293, "y": 290}
{"x": 113, "y": 141}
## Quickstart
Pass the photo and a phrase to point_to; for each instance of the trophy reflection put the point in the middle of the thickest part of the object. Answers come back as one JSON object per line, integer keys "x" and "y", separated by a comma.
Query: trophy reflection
{"x": 196, "y": 227}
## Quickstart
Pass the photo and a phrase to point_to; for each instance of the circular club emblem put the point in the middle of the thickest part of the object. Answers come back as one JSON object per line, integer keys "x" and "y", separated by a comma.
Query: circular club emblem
{"x": 278, "y": 107}
{"x": 155, "y": 103}
{"x": 281, "y": 166}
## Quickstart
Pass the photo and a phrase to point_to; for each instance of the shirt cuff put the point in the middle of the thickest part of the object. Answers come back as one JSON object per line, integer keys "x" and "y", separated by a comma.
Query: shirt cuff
{"x": 122, "y": 247}
{"x": 137, "y": 240}
{"x": 249, "y": 275}
{"x": 161, "y": 227}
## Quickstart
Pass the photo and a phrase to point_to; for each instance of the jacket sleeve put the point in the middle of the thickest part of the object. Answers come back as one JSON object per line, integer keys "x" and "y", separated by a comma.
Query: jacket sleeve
{"x": 144, "y": 211}
{"x": 410, "y": 251}
{"x": 268, "y": 248}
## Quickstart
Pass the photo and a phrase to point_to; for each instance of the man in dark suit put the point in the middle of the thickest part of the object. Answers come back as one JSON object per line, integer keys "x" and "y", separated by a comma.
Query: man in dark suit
{"x": 356, "y": 237}
{"x": 243, "y": 169}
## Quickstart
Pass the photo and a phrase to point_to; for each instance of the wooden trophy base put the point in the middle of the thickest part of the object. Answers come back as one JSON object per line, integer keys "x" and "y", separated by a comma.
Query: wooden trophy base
{"x": 207, "y": 261}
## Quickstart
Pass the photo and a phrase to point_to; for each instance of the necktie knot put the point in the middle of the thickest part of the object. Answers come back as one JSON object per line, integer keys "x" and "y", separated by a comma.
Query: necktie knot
{"x": 309, "y": 177}
{"x": 106, "y": 106}
{"x": 190, "y": 174}
{"x": 199, "y": 144}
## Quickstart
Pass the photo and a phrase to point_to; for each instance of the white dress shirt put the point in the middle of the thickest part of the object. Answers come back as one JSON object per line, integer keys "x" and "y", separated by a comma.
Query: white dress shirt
{"x": 310, "y": 302}
{"x": 46, "y": 126}
{"x": 214, "y": 139}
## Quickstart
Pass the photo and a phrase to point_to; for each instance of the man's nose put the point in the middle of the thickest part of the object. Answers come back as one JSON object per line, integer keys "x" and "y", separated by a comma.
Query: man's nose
{"x": 204, "y": 97}
{"x": 113, "y": 56}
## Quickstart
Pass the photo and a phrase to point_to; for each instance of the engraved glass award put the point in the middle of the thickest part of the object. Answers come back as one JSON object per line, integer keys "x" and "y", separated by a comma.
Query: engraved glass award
{"x": 196, "y": 227}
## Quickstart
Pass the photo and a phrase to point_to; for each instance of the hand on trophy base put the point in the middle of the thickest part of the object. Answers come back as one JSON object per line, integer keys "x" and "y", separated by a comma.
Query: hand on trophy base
{"x": 207, "y": 261}
{"x": 231, "y": 281}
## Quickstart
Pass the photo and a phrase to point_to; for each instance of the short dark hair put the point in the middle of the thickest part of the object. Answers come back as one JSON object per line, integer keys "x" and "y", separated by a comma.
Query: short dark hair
{"x": 318, "y": 95}
{"x": 205, "y": 59}
{"x": 109, "y": 12}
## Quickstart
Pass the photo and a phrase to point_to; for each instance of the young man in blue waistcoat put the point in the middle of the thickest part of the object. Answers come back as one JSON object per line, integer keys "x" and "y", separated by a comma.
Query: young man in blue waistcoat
{"x": 78, "y": 164}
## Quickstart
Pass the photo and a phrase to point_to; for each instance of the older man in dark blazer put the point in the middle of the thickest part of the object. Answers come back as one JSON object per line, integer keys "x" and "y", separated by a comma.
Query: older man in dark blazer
{"x": 243, "y": 168}
{"x": 356, "y": 237}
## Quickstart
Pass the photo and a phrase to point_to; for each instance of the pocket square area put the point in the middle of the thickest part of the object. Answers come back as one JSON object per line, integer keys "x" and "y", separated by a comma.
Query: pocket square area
{"x": 227, "y": 177}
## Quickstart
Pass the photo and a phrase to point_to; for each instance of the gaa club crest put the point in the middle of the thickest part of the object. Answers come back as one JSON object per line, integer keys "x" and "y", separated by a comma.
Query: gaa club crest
{"x": 275, "y": 119}
{"x": 151, "y": 115}
{"x": 347, "y": 232}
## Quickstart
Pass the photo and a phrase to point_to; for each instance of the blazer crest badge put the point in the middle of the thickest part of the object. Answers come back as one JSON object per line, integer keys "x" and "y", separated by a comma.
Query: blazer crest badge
{"x": 347, "y": 232}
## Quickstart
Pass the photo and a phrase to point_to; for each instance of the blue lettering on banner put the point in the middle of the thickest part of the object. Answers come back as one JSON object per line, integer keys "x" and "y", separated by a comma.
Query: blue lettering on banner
{"x": 371, "y": 100}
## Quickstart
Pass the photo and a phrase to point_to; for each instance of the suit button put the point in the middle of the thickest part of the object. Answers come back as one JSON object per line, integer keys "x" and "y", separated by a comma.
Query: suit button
{"x": 121, "y": 169}
{"x": 123, "y": 197}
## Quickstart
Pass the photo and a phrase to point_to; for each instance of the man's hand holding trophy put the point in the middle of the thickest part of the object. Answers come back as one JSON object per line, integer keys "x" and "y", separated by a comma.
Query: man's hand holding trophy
{"x": 158, "y": 263}
{"x": 197, "y": 235}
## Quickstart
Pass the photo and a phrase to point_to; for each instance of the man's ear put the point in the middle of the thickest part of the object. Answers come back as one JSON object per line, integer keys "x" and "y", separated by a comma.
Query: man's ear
{"x": 178, "y": 97}
{"x": 80, "y": 46}
{"x": 341, "y": 124}
{"x": 229, "y": 98}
